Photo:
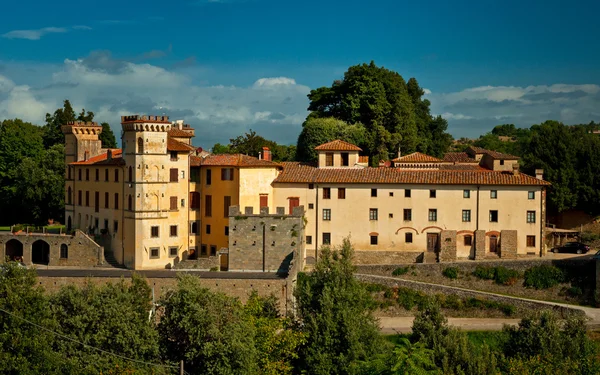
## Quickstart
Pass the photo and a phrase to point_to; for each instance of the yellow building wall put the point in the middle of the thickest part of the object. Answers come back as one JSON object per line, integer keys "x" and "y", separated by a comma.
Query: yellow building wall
{"x": 253, "y": 183}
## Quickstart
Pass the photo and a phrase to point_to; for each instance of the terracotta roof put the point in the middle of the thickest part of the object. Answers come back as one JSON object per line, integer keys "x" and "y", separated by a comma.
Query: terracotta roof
{"x": 179, "y": 133}
{"x": 195, "y": 161}
{"x": 417, "y": 157}
{"x": 236, "y": 160}
{"x": 305, "y": 173}
{"x": 458, "y": 157}
{"x": 338, "y": 145}
{"x": 494, "y": 154}
{"x": 102, "y": 159}
{"x": 173, "y": 145}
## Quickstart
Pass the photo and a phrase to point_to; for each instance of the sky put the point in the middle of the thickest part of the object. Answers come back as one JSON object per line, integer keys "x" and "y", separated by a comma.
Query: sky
{"x": 227, "y": 66}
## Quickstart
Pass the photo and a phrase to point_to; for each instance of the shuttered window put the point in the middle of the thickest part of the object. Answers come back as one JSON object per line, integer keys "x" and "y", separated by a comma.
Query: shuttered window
{"x": 173, "y": 205}
{"x": 174, "y": 175}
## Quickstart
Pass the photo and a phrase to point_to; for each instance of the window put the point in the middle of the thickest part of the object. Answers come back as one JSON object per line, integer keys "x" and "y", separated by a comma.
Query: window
{"x": 173, "y": 203}
{"x": 87, "y": 174}
{"x": 468, "y": 240}
{"x": 311, "y": 186}
{"x": 140, "y": 145}
{"x": 173, "y": 230}
{"x": 530, "y": 241}
{"x": 79, "y": 173}
{"x": 129, "y": 203}
{"x": 173, "y": 175}
{"x": 195, "y": 175}
{"x": 406, "y": 193}
{"x": 115, "y": 226}
{"x": 173, "y": 251}
{"x": 531, "y": 195}
{"x": 182, "y": 174}
{"x": 466, "y": 216}
{"x": 194, "y": 227}
{"x": 87, "y": 198}
{"x": 345, "y": 159}
{"x": 106, "y": 224}
{"x": 341, "y": 193}
{"x": 391, "y": 215}
{"x": 79, "y": 201}
{"x": 69, "y": 172}
{"x": 130, "y": 173}
{"x": 227, "y": 231}
{"x": 408, "y": 237}
{"x": 183, "y": 203}
{"x": 326, "y": 214}
{"x": 207, "y": 228}
{"x": 154, "y": 232}
{"x": 154, "y": 252}
{"x": 202, "y": 250}
{"x": 373, "y": 240}
{"x": 326, "y": 238}
{"x": 501, "y": 162}
{"x": 329, "y": 159}
{"x": 106, "y": 200}
{"x": 407, "y": 214}
{"x": 194, "y": 200}
{"x": 373, "y": 192}
{"x": 64, "y": 251}
{"x": 97, "y": 174}
{"x": 116, "y": 201}
{"x": 213, "y": 250}
{"x": 263, "y": 200}
{"x": 493, "y": 216}
{"x": 116, "y": 175}
{"x": 227, "y": 174}
{"x": 432, "y": 193}
{"x": 106, "y": 175}
{"x": 466, "y": 193}
{"x": 432, "y": 214}
{"x": 326, "y": 193}
{"x": 96, "y": 201}
{"x": 391, "y": 193}
{"x": 372, "y": 214}
{"x": 226, "y": 204}
{"x": 208, "y": 205}
{"x": 530, "y": 217}
{"x": 311, "y": 206}
{"x": 69, "y": 195}
{"x": 208, "y": 177}
{"x": 309, "y": 240}
{"x": 493, "y": 194}
{"x": 174, "y": 156}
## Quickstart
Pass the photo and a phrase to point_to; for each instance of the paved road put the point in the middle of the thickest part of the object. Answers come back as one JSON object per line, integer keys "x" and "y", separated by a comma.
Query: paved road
{"x": 115, "y": 272}
{"x": 392, "y": 325}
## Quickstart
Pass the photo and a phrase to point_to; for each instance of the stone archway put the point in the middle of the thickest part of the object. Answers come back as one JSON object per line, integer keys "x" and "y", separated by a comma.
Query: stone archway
{"x": 14, "y": 249}
{"x": 40, "y": 252}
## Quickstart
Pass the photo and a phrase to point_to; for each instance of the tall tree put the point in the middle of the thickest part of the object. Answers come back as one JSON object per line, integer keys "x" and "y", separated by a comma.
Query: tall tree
{"x": 52, "y": 131}
{"x": 252, "y": 144}
{"x": 107, "y": 136}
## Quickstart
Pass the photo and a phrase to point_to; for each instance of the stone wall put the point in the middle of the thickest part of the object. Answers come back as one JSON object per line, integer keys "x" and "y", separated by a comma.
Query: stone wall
{"x": 382, "y": 257}
{"x": 508, "y": 244}
{"x": 82, "y": 251}
{"x": 479, "y": 238}
{"x": 265, "y": 242}
{"x": 204, "y": 264}
{"x": 448, "y": 246}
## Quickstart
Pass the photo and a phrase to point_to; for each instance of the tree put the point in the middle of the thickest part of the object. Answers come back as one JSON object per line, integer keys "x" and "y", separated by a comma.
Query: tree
{"x": 209, "y": 331}
{"x": 252, "y": 144}
{"x": 107, "y": 136}
{"x": 52, "y": 130}
{"x": 335, "y": 311}
{"x": 316, "y": 131}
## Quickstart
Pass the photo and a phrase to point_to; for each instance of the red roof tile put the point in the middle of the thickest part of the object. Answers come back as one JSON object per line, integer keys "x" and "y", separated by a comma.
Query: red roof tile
{"x": 173, "y": 145}
{"x": 494, "y": 154}
{"x": 459, "y": 157}
{"x": 304, "y": 173}
{"x": 338, "y": 145}
{"x": 102, "y": 159}
{"x": 180, "y": 133}
{"x": 417, "y": 157}
{"x": 236, "y": 160}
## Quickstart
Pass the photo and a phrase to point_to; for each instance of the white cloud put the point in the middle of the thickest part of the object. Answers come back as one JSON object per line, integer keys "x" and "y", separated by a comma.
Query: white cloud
{"x": 426, "y": 91}
{"x": 455, "y": 116}
{"x": 276, "y": 81}
{"x": 33, "y": 34}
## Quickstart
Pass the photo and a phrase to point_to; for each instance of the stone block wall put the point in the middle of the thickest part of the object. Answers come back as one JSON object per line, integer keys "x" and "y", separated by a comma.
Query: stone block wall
{"x": 508, "y": 244}
{"x": 204, "y": 264}
{"x": 265, "y": 242}
{"x": 448, "y": 246}
{"x": 381, "y": 257}
{"x": 479, "y": 238}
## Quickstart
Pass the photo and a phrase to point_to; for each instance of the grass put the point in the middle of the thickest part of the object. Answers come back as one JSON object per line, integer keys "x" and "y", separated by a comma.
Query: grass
{"x": 5, "y": 229}
{"x": 494, "y": 339}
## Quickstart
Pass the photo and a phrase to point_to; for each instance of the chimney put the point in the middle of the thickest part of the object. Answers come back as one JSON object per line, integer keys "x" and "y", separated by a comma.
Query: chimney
{"x": 399, "y": 152}
{"x": 109, "y": 154}
{"x": 539, "y": 174}
{"x": 515, "y": 169}
{"x": 266, "y": 154}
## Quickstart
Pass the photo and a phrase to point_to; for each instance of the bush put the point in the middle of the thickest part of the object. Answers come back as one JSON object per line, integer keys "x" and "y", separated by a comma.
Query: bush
{"x": 408, "y": 298}
{"x": 505, "y": 276}
{"x": 589, "y": 237}
{"x": 574, "y": 291}
{"x": 486, "y": 273}
{"x": 450, "y": 272}
{"x": 543, "y": 277}
{"x": 400, "y": 271}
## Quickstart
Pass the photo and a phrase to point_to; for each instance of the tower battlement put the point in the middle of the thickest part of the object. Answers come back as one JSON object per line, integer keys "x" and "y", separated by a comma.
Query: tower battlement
{"x": 81, "y": 123}
{"x": 144, "y": 118}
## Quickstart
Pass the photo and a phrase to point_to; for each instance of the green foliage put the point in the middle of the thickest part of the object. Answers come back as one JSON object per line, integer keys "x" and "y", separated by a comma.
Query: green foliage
{"x": 450, "y": 272}
{"x": 409, "y": 298}
{"x": 543, "y": 277}
{"x": 252, "y": 144}
{"x": 587, "y": 237}
{"x": 316, "y": 131}
{"x": 405, "y": 358}
{"x": 501, "y": 275}
{"x": 400, "y": 271}
{"x": 335, "y": 311}
{"x": 107, "y": 136}
{"x": 484, "y": 272}
{"x": 209, "y": 331}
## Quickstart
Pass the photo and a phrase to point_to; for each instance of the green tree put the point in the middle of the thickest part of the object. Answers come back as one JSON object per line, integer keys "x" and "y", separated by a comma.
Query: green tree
{"x": 107, "y": 136}
{"x": 221, "y": 149}
{"x": 335, "y": 311}
{"x": 52, "y": 130}
{"x": 317, "y": 131}
{"x": 209, "y": 331}
{"x": 252, "y": 144}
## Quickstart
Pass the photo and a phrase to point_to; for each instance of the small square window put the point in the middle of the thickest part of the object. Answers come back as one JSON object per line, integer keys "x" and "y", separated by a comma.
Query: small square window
{"x": 154, "y": 252}
{"x": 326, "y": 193}
{"x": 182, "y": 174}
{"x": 227, "y": 231}
{"x": 311, "y": 186}
{"x": 432, "y": 214}
{"x": 326, "y": 238}
{"x": 407, "y": 214}
{"x": 341, "y": 193}
{"x": 173, "y": 230}
{"x": 468, "y": 241}
{"x": 391, "y": 193}
{"x": 311, "y": 206}
{"x": 466, "y": 216}
{"x": 530, "y": 241}
{"x": 466, "y": 193}
{"x": 207, "y": 228}
{"x": 202, "y": 250}
{"x": 406, "y": 193}
{"x": 373, "y": 192}
{"x": 183, "y": 203}
{"x": 391, "y": 216}
{"x": 309, "y": 240}
{"x": 493, "y": 216}
{"x": 493, "y": 194}
{"x": 530, "y": 217}
{"x": 213, "y": 250}
{"x": 373, "y": 240}
{"x": 154, "y": 232}
{"x": 329, "y": 159}
{"x": 531, "y": 195}
{"x": 408, "y": 237}
{"x": 173, "y": 251}
{"x": 432, "y": 193}
{"x": 326, "y": 214}
{"x": 501, "y": 162}
{"x": 373, "y": 214}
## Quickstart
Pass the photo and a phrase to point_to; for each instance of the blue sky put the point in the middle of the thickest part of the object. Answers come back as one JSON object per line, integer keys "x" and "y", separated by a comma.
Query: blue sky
{"x": 230, "y": 65}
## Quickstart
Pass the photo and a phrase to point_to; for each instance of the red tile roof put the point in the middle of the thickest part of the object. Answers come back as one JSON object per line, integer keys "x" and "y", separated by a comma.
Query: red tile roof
{"x": 102, "y": 159}
{"x": 305, "y": 173}
{"x": 459, "y": 157}
{"x": 173, "y": 145}
{"x": 180, "y": 133}
{"x": 494, "y": 154}
{"x": 234, "y": 160}
{"x": 417, "y": 157}
{"x": 338, "y": 145}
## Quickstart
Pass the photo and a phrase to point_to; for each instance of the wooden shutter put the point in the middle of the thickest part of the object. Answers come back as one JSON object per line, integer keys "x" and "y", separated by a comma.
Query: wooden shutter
{"x": 174, "y": 176}
{"x": 208, "y": 205}
{"x": 294, "y": 202}
{"x": 226, "y": 204}
{"x": 173, "y": 203}
{"x": 264, "y": 200}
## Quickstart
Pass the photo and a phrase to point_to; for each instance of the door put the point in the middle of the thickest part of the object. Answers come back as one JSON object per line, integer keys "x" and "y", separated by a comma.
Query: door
{"x": 493, "y": 244}
{"x": 294, "y": 202}
{"x": 224, "y": 262}
{"x": 432, "y": 242}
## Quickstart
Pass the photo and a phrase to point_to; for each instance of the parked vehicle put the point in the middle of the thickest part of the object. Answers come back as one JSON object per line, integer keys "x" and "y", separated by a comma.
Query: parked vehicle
{"x": 572, "y": 247}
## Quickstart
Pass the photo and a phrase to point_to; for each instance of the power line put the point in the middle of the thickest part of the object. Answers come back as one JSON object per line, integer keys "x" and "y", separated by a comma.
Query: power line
{"x": 87, "y": 345}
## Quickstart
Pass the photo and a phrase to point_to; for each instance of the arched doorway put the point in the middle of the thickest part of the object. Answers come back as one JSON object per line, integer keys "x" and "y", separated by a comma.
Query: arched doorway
{"x": 40, "y": 252}
{"x": 14, "y": 250}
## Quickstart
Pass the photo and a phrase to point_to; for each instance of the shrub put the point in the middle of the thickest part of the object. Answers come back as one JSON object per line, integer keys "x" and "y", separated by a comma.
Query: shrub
{"x": 589, "y": 237}
{"x": 400, "y": 271}
{"x": 486, "y": 273}
{"x": 574, "y": 291}
{"x": 505, "y": 276}
{"x": 374, "y": 288}
{"x": 543, "y": 277}
{"x": 408, "y": 298}
{"x": 450, "y": 272}
{"x": 214, "y": 269}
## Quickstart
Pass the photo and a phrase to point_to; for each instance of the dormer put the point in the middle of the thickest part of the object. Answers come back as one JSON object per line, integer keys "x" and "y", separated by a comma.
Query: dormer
{"x": 494, "y": 160}
{"x": 338, "y": 154}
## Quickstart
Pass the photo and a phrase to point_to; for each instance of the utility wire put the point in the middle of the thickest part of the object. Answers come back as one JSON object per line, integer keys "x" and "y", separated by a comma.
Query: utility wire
{"x": 87, "y": 345}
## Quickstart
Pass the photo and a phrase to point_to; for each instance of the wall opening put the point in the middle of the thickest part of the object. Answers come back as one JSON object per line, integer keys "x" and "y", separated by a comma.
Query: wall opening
{"x": 14, "y": 250}
{"x": 40, "y": 252}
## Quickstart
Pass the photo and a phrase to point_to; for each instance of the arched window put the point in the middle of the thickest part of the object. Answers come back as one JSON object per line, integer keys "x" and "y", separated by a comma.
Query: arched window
{"x": 64, "y": 251}
{"x": 140, "y": 145}
{"x": 69, "y": 194}
{"x": 129, "y": 203}
{"x": 130, "y": 174}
